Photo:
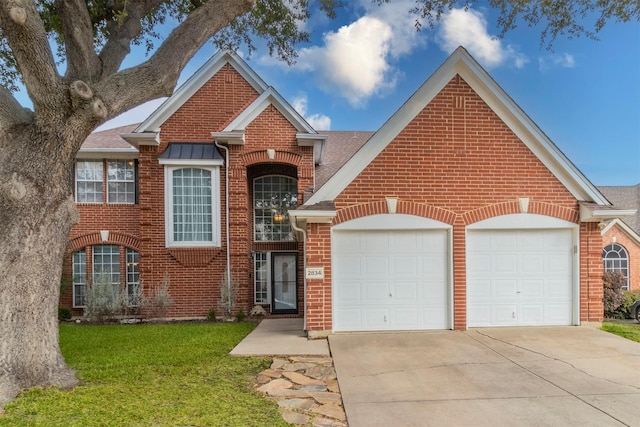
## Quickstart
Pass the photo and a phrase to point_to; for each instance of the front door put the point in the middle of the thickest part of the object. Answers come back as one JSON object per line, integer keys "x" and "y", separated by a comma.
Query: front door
{"x": 284, "y": 289}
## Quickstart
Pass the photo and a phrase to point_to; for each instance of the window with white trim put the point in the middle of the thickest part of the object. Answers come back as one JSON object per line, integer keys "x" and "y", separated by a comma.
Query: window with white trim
{"x": 106, "y": 265}
{"x": 260, "y": 281}
{"x": 616, "y": 258}
{"x": 89, "y": 181}
{"x": 79, "y": 278}
{"x": 121, "y": 181}
{"x": 192, "y": 196}
{"x": 133, "y": 278}
{"x": 273, "y": 196}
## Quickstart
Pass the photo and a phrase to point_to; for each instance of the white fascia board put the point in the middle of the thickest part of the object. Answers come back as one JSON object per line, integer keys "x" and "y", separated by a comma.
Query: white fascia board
{"x": 460, "y": 62}
{"x": 383, "y": 137}
{"x": 269, "y": 97}
{"x": 589, "y": 214}
{"x": 107, "y": 153}
{"x": 318, "y": 142}
{"x": 312, "y": 216}
{"x": 625, "y": 228}
{"x": 143, "y": 138}
{"x": 230, "y": 137}
{"x": 528, "y": 132}
{"x": 195, "y": 82}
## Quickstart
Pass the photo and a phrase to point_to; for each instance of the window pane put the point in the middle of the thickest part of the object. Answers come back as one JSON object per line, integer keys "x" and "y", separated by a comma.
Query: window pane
{"x": 616, "y": 258}
{"x": 133, "y": 277}
{"x": 192, "y": 205}
{"x": 121, "y": 181}
{"x": 273, "y": 196}
{"x": 79, "y": 277}
{"x": 106, "y": 264}
{"x": 260, "y": 281}
{"x": 89, "y": 181}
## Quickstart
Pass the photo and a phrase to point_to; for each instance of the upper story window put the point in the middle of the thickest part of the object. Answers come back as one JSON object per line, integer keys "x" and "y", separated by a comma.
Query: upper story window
{"x": 616, "y": 258}
{"x": 273, "y": 196}
{"x": 192, "y": 206}
{"x": 121, "y": 181}
{"x": 89, "y": 181}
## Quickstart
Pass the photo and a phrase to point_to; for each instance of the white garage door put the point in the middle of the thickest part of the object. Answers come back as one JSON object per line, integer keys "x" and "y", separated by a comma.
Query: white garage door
{"x": 519, "y": 277}
{"x": 390, "y": 280}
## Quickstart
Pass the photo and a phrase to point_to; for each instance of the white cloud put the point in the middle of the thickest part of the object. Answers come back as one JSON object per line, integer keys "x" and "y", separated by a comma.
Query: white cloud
{"x": 565, "y": 60}
{"x": 317, "y": 121}
{"x": 469, "y": 29}
{"x": 355, "y": 62}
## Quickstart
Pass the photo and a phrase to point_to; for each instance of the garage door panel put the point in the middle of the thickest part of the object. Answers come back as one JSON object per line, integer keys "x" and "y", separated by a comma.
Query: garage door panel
{"x": 536, "y": 288}
{"x": 403, "y": 277}
{"x": 349, "y": 291}
{"x": 504, "y": 263}
{"x": 377, "y": 292}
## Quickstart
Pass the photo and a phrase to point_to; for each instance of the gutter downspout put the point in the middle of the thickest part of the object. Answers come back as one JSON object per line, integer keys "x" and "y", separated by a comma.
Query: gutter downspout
{"x": 226, "y": 182}
{"x": 294, "y": 225}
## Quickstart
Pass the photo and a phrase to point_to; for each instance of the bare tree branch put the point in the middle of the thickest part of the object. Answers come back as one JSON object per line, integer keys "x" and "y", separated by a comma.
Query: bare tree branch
{"x": 122, "y": 33}
{"x": 11, "y": 112}
{"x": 27, "y": 38}
{"x": 82, "y": 61}
{"x": 132, "y": 87}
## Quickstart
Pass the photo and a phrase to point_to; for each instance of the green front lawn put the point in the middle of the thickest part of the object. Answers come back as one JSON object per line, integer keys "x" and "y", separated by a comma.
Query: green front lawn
{"x": 626, "y": 330}
{"x": 151, "y": 375}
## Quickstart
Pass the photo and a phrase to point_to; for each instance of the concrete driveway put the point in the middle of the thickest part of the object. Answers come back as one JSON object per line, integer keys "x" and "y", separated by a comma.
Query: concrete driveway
{"x": 559, "y": 376}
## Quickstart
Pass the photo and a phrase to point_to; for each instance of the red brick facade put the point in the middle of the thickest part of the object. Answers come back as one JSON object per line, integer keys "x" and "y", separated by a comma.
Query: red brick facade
{"x": 617, "y": 235}
{"x": 455, "y": 162}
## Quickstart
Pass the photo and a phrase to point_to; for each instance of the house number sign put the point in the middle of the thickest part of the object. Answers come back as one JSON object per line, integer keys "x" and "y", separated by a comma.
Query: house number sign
{"x": 315, "y": 273}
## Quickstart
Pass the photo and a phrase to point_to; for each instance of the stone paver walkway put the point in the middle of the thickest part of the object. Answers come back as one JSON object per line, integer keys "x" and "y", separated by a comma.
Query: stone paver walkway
{"x": 306, "y": 389}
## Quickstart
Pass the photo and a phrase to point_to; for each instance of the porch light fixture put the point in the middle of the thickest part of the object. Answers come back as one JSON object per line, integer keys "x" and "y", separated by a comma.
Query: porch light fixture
{"x": 278, "y": 217}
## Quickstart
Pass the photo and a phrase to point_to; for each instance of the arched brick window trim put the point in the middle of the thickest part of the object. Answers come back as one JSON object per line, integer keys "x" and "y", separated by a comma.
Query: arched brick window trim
{"x": 257, "y": 157}
{"x": 513, "y": 207}
{"x": 115, "y": 238}
{"x": 403, "y": 207}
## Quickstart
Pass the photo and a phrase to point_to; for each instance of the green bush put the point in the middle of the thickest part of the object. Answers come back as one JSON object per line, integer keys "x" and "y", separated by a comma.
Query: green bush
{"x": 240, "y": 315}
{"x": 64, "y": 313}
{"x": 211, "y": 315}
{"x": 623, "y": 312}
{"x": 613, "y": 298}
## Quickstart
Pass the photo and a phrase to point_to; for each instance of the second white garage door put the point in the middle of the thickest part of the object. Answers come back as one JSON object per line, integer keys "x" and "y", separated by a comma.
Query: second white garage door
{"x": 519, "y": 277}
{"x": 390, "y": 280}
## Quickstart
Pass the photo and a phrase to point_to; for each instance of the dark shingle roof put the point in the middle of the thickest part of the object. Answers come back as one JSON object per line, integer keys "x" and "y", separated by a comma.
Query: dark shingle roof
{"x": 340, "y": 147}
{"x": 625, "y": 197}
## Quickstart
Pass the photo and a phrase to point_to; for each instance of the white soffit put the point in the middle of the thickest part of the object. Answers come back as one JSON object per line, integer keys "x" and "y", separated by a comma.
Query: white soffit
{"x": 460, "y": 62}
{"x": 195, "y": 82}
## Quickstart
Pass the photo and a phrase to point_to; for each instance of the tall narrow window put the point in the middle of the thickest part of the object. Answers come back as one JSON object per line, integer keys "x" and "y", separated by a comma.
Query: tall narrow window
{"x": 79, "y": 277}
{"x": 616, "y": 258}
{"x": 273, "y": 196}
{"x": 133, "y": 278}
{"x": 106, "y": 266}
{"x": 193, "y": 200}
{"x": 261, "y": 278}
{"x": 89, "y": 181}
{"x": 121, "y": 181}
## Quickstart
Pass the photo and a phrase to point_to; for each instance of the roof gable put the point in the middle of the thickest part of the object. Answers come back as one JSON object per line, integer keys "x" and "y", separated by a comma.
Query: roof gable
{"x": 462, "y": 64}
{"x": 195, "y": 82}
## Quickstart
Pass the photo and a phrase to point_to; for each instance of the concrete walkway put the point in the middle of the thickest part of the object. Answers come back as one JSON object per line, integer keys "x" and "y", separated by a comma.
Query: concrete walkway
{"x": 280, "y": 337}
{"x": 560, "y": 376}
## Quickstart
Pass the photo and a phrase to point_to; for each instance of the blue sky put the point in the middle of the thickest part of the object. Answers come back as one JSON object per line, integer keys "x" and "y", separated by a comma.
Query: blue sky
{"x": 360, "y": 68}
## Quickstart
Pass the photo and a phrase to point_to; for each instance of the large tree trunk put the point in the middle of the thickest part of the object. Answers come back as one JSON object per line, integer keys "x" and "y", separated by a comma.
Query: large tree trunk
{"x": 36, "y": 215}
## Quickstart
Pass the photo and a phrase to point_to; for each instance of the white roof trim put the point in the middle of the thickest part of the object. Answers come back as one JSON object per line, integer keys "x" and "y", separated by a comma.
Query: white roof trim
{"x": 592, "y": 214}
{"x": 628, "y": 230}
{"x": 460, "y": 62}
{"x": 269, "y": 97}
{"x": 312, "y": 216}
{"x": 195, "y": 82}
{"x": 138, "y": 139}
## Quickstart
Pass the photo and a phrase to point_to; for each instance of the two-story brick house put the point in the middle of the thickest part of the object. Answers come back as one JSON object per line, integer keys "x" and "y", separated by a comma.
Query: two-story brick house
{"x": 458, "y": 212}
